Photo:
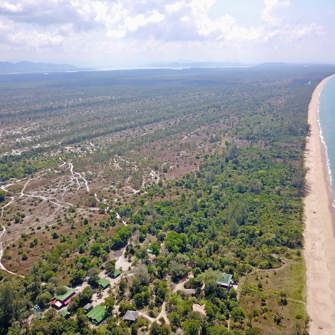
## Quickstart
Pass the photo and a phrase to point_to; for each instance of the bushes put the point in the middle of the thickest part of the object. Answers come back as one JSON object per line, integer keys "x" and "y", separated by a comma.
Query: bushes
{"x": 120, "y": 239}
{"x": 175, "y": 242}
{"x": 44, "y": 299}
{"x": 157, "y": 329}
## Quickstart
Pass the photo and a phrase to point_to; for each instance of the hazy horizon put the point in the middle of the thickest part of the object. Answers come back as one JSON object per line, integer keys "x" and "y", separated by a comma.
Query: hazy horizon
{"x": 108, "y": 34}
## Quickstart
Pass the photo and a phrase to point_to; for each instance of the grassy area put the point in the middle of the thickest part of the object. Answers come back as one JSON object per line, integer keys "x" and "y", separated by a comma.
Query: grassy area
{"x": 274, "y": 300}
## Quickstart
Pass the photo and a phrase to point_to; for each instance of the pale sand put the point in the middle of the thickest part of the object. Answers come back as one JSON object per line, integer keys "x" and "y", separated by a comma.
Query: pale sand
{"x": 319, "y": 230}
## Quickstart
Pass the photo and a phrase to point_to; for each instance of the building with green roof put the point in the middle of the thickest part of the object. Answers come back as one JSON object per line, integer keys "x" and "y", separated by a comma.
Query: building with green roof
{"x": 104, "y": 283}
{"x": 97, "y": 314}
{"x": 226, "y": 280}
{"x": 64, "y": 298}
{"x": 68, "y": 292}
{"x": 116, "y": 273}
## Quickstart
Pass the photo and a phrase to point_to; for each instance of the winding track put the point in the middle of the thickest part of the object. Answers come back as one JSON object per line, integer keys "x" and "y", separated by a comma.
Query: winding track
{"x": 76, "y": 176}
{"x": 4, "y": 231}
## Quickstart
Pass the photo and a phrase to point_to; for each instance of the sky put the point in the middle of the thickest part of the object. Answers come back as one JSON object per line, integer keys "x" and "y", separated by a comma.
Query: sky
{"x": 125, "y": 33}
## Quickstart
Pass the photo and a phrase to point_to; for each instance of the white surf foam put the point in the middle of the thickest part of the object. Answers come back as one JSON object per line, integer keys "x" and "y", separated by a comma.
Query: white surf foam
{"x": 323, "y": 141}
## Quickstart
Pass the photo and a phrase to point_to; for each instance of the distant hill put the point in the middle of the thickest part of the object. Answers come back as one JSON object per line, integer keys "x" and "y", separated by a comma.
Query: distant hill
{"x": 30, "y": 67}
{"x": 190, "y": 64}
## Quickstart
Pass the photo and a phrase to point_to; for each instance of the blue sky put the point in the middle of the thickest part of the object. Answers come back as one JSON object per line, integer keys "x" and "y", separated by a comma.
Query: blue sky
{"x": 114, "y": 33}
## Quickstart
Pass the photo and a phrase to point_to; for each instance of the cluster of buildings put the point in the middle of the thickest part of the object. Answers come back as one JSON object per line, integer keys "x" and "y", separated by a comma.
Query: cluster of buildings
{"x": 98, "y": 313}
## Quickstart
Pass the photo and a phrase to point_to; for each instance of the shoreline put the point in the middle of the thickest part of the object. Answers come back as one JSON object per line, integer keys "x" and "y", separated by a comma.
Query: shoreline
{"x": 319, "y": 215}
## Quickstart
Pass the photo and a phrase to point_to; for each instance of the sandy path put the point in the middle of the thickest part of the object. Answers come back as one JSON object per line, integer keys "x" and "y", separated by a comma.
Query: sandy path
{"x": 122, "y": 262}
{"x": 77, "y": 176}
{"x": 4, "y": 231}
{"x": 319, "y": 234}
{"x": 180, "y": 285}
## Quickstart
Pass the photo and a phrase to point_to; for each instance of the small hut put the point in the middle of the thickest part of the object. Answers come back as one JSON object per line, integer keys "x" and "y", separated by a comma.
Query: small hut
{"x": 130, "y": 316}
{"x": 226, "y": 280}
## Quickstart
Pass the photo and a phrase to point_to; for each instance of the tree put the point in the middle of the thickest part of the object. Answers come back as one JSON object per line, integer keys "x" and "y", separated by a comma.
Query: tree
{"x": 161, "y": 290}
{"x": 178, "y": 271}
{"x": 125, "y": 306}
{"x": 85, "y": 296}
{"x": 192, "y": 327}
{"x": 157, "y": 329}
{"x": 142, "y": 298}
{"x": 93, "y": 277}
{"x": 175, "y": 242}
{"x": 96, "y": 249}
{"x": 12, "y": 307}
{"x": 217, "y": 330}
{"x": 155, "y": 248}
{"x": 237, "y": 314}
{"x": 7, "y": 308}
{"x": 120, "y": 239}
{"x": 82, "y": 321}
{"x": 2, "y": 195}
{"x": 109, "y": 303}
{"x": 44, "y": 299}
{"x": 77, "y": 277}
{"x": 110, "y": 267}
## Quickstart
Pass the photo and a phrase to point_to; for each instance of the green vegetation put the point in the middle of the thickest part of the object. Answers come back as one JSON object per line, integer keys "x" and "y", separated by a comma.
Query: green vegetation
{"x": 2, "y": 196}
{"x": 239, "y": 212}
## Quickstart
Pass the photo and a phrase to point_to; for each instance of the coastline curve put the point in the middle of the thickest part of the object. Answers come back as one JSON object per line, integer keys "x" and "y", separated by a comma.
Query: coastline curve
{"x": 319, "y": 235}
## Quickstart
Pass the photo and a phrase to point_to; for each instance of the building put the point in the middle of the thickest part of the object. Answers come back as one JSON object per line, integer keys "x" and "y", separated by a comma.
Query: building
{"x": 88, "y": 307}
{"x": 97, "y": 314}
{"x": 226, "y": 280}
{"x": 63, "y": 299}
{"x": 116, "y": 273}
{"x": 103, "y": 283}
{"x": 130, "y": 316}
{"x": 200, "y": 309}
{"x": 64, "y": 313}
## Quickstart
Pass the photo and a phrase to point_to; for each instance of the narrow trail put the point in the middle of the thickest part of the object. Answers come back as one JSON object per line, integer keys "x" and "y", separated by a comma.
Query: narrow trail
{"x": 77, "y": 177}
{"x": 3, "y": 233}
{"x": 13, "y": 199}
{"x": 180, "y": 285}
{"x": 118, "y": 216}
{"x": 285, "y": 263}
{"x": 2, "y": 267}
{"x": 162, "y": 315}
{"x": 24, "y": 188}
{"x": 122, "y": 262}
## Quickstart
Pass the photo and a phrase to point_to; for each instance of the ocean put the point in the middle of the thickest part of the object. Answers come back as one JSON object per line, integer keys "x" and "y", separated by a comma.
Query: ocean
{"x": 327, "y": 124}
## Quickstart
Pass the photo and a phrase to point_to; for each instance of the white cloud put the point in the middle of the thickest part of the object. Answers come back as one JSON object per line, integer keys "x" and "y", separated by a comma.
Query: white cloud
{"x": 10, "y": 7}
{"x": 270, "y": 6}
{"x": 175, "y": 7}
{"x": 50, "y": 23}
{"x": 35, "y": 39}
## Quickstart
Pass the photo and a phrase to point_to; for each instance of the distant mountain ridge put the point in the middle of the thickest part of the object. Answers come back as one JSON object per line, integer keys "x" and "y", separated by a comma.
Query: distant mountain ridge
{"x": 30, "y": 67}
{"x": 191, "y": 64}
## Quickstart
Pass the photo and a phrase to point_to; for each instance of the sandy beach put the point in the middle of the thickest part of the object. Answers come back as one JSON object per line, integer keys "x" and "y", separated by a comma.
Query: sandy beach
{"x": 319, "y": 230}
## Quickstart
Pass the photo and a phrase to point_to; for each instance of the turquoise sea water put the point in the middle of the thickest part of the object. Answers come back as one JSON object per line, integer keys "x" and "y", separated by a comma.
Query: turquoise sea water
{"x": 327, "y": 123}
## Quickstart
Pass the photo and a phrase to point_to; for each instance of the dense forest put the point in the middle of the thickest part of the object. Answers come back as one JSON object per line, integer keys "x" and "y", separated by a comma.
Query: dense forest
{"x": 237, "y": 212}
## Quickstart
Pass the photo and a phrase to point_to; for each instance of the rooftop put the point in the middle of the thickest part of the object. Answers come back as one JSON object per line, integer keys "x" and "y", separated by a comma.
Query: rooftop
{"x": 97, "y": 314}
{"x": 225, "y": 280}
{"x": 130, "y": 316}
{"x": 199, "y": 309}
{"x": 104, "y": 282}
{"x": 67, "y": 294}
{"x": 88, "y": 307}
